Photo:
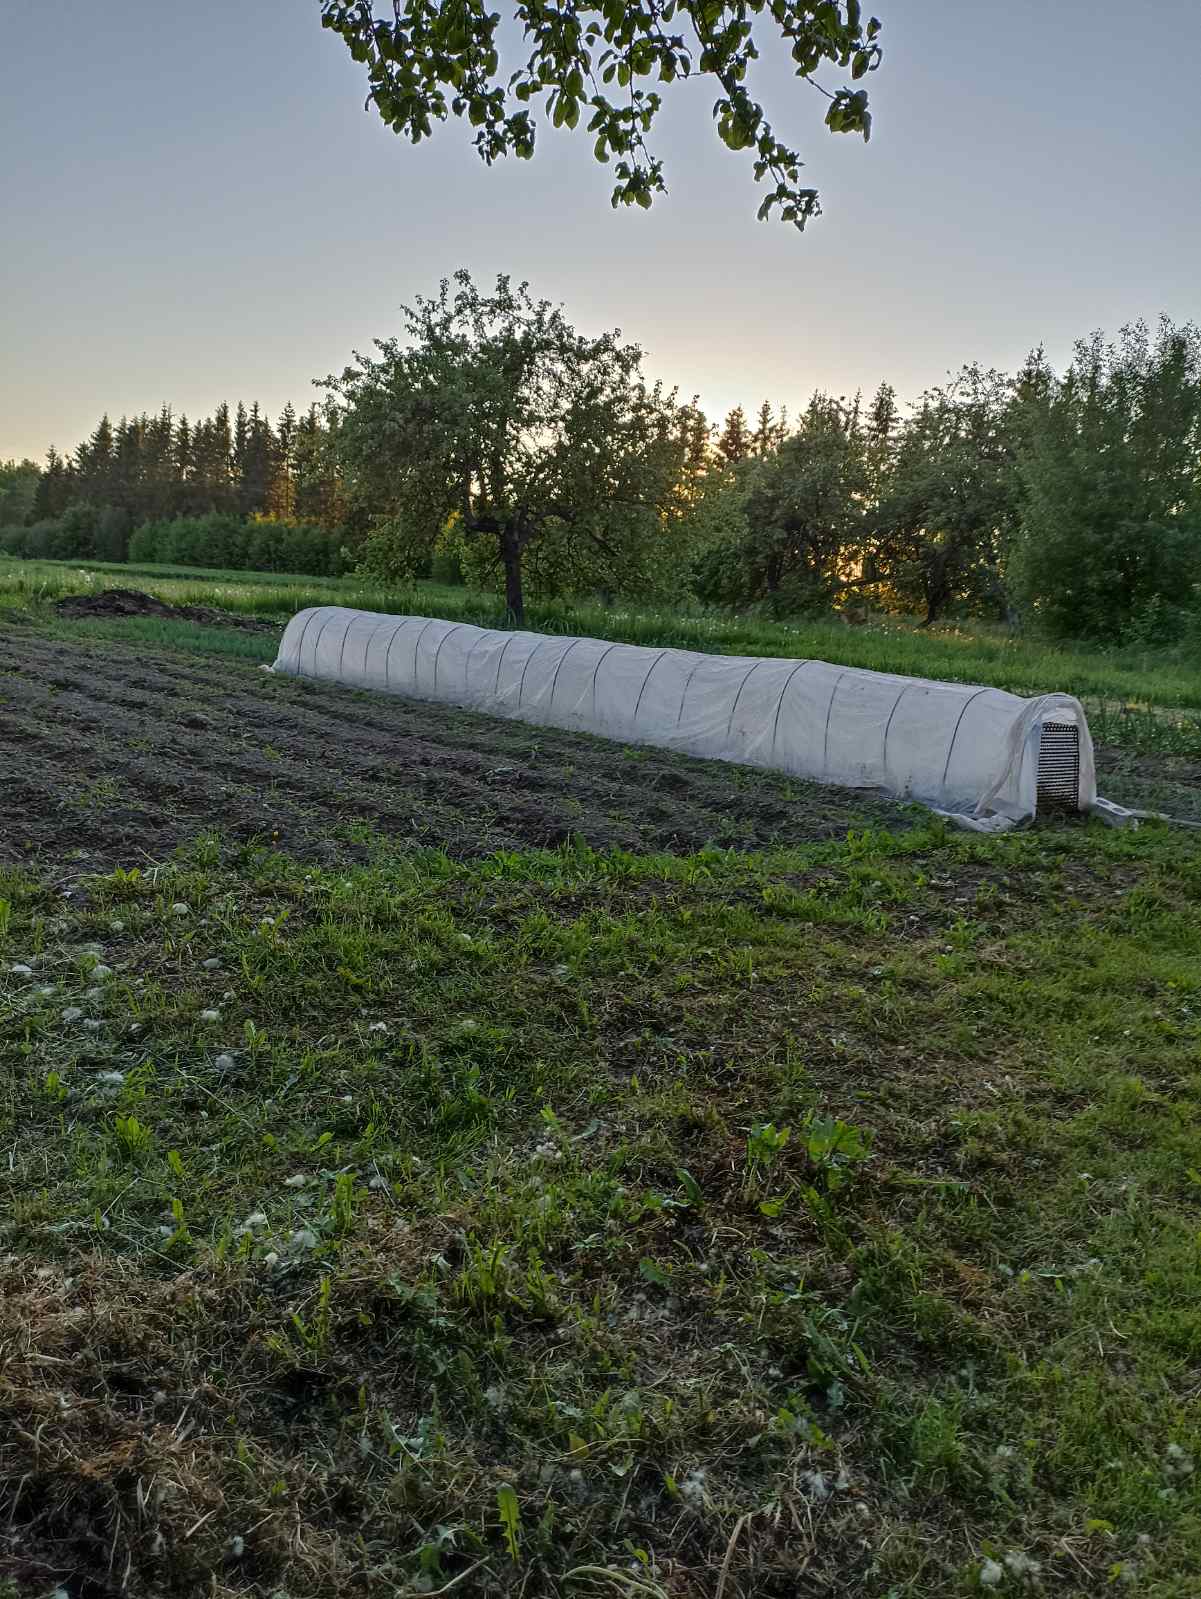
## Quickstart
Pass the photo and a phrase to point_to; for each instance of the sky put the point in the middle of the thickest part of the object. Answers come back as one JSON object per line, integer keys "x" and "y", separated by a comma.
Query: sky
{"x": 197, "y": 208}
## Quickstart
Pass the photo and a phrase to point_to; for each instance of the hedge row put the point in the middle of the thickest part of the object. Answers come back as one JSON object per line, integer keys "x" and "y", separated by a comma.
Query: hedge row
{"x": 84, "y": 532}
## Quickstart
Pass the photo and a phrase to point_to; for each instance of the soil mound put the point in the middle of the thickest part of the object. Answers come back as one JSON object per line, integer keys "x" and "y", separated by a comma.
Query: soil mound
{"x": 132, "y": 602}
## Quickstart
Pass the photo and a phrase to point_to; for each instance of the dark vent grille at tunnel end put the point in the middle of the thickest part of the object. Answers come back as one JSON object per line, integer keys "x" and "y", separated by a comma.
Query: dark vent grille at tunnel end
{"x": 1059, "y": 766}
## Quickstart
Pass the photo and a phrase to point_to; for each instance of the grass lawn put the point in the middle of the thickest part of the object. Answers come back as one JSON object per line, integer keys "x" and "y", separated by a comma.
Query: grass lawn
{"x": 821, "y": 1220}
{"x": 812, "y": 1222}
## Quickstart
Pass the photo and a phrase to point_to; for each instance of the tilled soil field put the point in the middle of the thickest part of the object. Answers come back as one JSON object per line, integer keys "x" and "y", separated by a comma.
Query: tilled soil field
{"x": 115, "y": 755}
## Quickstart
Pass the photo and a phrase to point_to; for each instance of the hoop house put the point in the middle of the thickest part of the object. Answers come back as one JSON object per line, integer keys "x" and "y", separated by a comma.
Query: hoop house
{"x": 983, "y": 757}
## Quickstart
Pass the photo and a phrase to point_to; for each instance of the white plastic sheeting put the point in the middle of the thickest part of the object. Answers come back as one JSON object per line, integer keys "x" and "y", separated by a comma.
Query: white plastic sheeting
{"x": 978, "y": 755}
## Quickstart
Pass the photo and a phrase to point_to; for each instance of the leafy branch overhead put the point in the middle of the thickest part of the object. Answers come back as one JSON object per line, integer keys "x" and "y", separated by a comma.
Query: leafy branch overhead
{"x": 595, "y": 66}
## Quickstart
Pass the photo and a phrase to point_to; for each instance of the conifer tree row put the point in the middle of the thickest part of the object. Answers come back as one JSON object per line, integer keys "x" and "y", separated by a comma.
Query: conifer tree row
{"x": 151, "y": 467}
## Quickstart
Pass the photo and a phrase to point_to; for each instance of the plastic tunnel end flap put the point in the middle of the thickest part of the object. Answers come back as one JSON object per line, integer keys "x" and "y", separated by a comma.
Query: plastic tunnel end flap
{"x": 980, "y": 824}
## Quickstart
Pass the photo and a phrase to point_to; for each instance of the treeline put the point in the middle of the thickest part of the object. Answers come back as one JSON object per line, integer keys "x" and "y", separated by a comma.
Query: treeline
{"x": 217, "y": 539}
{"x": 223, "y": 491}
{"x": 150, "y": 467}
{"x": 257, "y": 544}
{"x": 1070, "y": 501}
{"x": 1067, "y": 502}
{"x": 497, "y": 446}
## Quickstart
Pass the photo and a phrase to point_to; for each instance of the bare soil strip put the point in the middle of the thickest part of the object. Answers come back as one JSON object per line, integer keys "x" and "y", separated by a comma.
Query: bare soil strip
{"x": 115, "y": 755}
{"x": 106, "y": 604}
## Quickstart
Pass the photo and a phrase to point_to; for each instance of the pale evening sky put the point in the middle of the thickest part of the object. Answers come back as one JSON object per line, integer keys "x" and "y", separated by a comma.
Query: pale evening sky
{"x": 197, "y": 208}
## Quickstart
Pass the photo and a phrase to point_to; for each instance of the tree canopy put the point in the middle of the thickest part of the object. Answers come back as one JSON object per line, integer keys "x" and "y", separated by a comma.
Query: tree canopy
{"x": 946, "y": 506}
{"x": 1109, "y": 472}
{"x": 495, "y": 411}
{"x": 602, "y": 67}
{"x": 800, "y": 531}
{"x": 18, "y": 489}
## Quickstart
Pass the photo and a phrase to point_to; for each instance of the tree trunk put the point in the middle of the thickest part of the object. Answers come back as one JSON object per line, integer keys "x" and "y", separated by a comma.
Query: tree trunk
{"x": 510, "y": 554}
{"x": 937, "y": 592}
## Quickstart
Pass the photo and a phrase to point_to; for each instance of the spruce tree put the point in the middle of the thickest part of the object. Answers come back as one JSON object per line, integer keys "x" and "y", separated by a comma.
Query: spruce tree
{"x": 281, "y": 491}
{"x": 212, "y": 449}
{"x": 735, "y": 442}
{"x": 158, "y": 473}
{"x": 258, "y": 463}
{"x": 94, "y": 464}
{"x": 882, "y": 415}
{"x": 222, "y": 459}
{"x": 125, "y": 480}
{"x": 697, "y": 433}
{"x": 56, "y": 489}
{"x": 183, "y": 463}
{"x": 203, "y": 495}
{"x": 769, "y": 433}
{"x": 317, "y": 487}
{"x": 240, "y": 456}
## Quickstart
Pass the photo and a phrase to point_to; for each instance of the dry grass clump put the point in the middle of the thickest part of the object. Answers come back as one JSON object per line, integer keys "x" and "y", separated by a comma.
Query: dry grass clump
{"x": 119, "y": 1443}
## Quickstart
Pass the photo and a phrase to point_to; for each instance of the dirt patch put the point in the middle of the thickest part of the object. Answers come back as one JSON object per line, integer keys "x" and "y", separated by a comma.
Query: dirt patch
{"x": 119, "y": 755}
{"x": 132, "y": 602}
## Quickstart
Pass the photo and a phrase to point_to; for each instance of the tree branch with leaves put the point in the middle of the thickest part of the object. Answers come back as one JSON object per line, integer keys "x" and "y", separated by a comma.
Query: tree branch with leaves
{"x": 603, "y": 67}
